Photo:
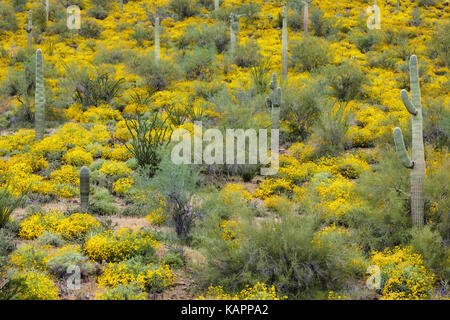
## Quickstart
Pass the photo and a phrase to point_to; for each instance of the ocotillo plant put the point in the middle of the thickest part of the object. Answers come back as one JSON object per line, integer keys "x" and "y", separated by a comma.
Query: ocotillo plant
{"x": 29, "y": 28}
{"x": 157, "y": 54}
{"x": 417, "y": 163}
{"x": 274, "y": 101}
{"x": 234, "y": 29}
{"x": 284, "y": 40}
{"x": 84, "y": 189}
{"x": 39, "y": 97}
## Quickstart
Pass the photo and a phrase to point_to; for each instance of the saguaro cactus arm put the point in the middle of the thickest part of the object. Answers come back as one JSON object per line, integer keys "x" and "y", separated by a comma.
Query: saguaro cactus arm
{"x": 401, "y": 149}
{"x": 157, "y": 41}
{"x": 273, "y": 102}
{"x": 408, "y": 104}
{"x": 84, "y": 189}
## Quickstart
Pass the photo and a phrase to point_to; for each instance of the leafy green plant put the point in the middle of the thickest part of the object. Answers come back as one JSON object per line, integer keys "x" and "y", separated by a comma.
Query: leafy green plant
{"x": 309, "y": 53}
{"x": 148, "y": 135}
{"x": 7, "y": 204}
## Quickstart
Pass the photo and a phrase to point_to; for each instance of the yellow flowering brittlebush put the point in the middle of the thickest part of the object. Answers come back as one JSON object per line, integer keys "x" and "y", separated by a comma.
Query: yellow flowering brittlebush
{"x": 259, "y": 291}
{"x": 74, "y": 226}
{"x": 37, "y": 286}
{"x": 148, "y": 277}
{"x": 114, "y": 247}
{"x": 403, "y": 274}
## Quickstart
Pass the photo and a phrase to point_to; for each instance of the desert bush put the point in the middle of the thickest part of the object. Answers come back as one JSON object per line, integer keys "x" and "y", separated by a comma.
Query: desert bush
{"x": 156, "y": 76}
{"x": 176, "y": 184}
{"x": 331, "y": 128}
{"x": 322, "y": 27}
{"x": 365, "y": 42}
{"x": 8, "y": 202}
{"x": 66, "y": 257}
{"x": 102, "y": 202}
{"x": 8, "y": 21}
{"x": 183, "y": 8}
{"x": 260, "y": 77}
{"x": 309, "y": 53}
{"x": 207, "y": 36}
{"x": 142, "y": 33}
{"x": 436, "y": 123}
{"x": 277, "y": 252}
{"x": 430, "y": 246}
{"x": 441, "y": 44}
{"x": 130, "y": 291}
{"x": 92, "y": 90}
{"x": 199, "y": 63}
{"x": 247, "y": 55}
{"x": 345, "y": 80}
{"x": 90, "y": 29}
{"x": 301, "y": 109}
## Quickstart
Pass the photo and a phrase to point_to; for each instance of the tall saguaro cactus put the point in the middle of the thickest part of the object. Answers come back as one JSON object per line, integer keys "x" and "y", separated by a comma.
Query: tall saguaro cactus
{"x": 305, "y": 16}
{"x": 121, "y": 6}
{"x": 157, "y": 45}
{"x": 284, "y": 40}
{"x": 234, "y": 29}
{"x": 274, "y": 101}
{"x": 39, "y": 97}
{"x": 47, "y": 9}
{"x": 84, "y": 189}
{"x": 216, "y": 5}
{"x": 417, "y": 163}
{"x": 29, "y": 28}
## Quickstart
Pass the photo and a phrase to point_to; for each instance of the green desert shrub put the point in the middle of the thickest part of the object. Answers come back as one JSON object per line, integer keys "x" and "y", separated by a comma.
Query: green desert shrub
{"x": 90, "y": 29}
{"x": 183, "y": 8}
{"x": 156, "y": 76}
{"x": 365, "y": 42}
{"x": 199, "y": 63}
{"x": 345, "y": 80}
{"x": 440, "y": 44}
{"x": 213, "y": 35}
{"x": 8, "y": 21}
{"x": 309, "y": 53}
{"x": 278, "y": 252}
{"x": 102, "y": 202}
{"x": 301, "y": 109}
{"x": 247, "y": 55}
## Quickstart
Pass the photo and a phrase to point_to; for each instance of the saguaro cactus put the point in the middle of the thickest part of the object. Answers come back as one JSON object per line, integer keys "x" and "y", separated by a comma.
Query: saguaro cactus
{"x": 157, "y": 54}
{"x": 84, "y": 189}
{"x": 216, "y": 5}
{"x": 29, "y": 28}
{"x": 47, "y": 9}
{"x": 284, "y": 41}
{"x": 305, "y": 16}
{"x": 274, "y": 101}
{"x": 39, "y": 97}
{"x": 417, "y": 163}
{"x": 234, "y": 29}
{"x": 121, "y": 6}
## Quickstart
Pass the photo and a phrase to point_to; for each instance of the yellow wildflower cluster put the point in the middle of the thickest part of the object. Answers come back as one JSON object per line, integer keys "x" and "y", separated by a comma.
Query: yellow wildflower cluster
{"x": 234, "y": 192}
{"x": 148, "y": 277}
{"x": 156, "y": 217}
{"x": 403, "y": 274}
{"x": 115, "y": 168}
{"x": 74, "y": 226}
{"x": 259, "y": 291}
{"x": 122, "y": 185}
{"x": 78, "y": 157}
{"x": 114, "y": 247}
{"x": 37, "y": 286}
